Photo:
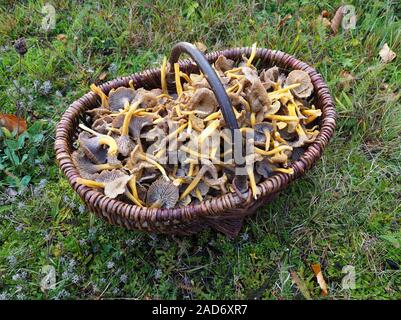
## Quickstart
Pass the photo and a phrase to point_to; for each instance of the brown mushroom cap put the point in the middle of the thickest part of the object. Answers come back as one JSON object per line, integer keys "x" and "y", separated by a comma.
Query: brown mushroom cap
{"x": 149, "y": 98}
{"x": 264, "y": 168}
{"x": 102, "y": 123}
{"x": 257, "y": 97}
{"x": 85, "y": 167}
{"x": 269, "y": 77}
{"x": 91, "y": 147}
{"x": 162, "y": 194}
{"x": 115, "y": 182}
{"x": 97, "y": 113}
{"x": 306, "y": 87}
{"x": 222, "y": 64}
{"x": 260, "y": 130}
{"x": 120, "y": 97}
{"x": 137, "y": 124}
{"x": 204, "y": 102}
{"x": 125, "y": 145}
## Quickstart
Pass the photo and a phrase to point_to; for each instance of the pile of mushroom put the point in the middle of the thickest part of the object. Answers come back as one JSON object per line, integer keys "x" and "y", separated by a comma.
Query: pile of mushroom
{"x": 126, "y": 145}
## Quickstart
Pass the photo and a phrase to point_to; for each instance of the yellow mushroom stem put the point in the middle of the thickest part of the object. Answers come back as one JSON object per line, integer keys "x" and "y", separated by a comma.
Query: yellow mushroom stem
{"x": 281, "y": 117}
{"x": 196, "y": 154}
{"x": 234, "y": 76}
{"x": 281, "y": 125}
{"x": 252, "y": 182}
{"x": 253, "y": 54}
{"x": 132, "y": 185}
{"x": 169, "y": 137}
{"x": 133, "y": 199}
{"x": 163, "y": 72}
{"x": 101, "y": 94}
{"x": 284, "y": 170}
{"x": 143, "y": 157}
{"x": 164, "y": 95}
{"x": 292, "y": 112}
{"x": 177, "y": 79}
{"x": 178, "y": 181}
{"x": 107, "y": 166}
{"x": 131, "y": 84}
{"x": 279, "y": 138}
{"x": 103, "y": 140}
{"x": 178, "y": 110}
{"x": 273, "y": 151}
{"x": 233, "y": 70}
{"x": 191, "y": 170}
{"x": 233, "y": 88}
{"x": 186, "y": 77}
{"x": 193, "y": 184}
{"x": 128, "y": 117}
{"x": 267, "y": 136}
{"x": 90, "y": 183}
{"x": 312, "y": 114}
{"x": 156, "y": 204}
{"x": 253, "y": 119}
{"x": 198, "y": 194}
{"x": 189, "y": 129}
{"x": 208, "y": 130}
{"x": 283, "y": 90}
{"x": 213, "y": 116}
{"x": 245, "y": 103}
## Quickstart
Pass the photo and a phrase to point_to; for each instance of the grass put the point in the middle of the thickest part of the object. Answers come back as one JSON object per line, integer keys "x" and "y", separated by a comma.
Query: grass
{"x": 345, "y": 212}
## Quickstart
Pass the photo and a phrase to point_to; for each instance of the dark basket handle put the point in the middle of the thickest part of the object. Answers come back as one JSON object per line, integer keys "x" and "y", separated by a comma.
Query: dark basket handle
{"x": 211, "y": 77}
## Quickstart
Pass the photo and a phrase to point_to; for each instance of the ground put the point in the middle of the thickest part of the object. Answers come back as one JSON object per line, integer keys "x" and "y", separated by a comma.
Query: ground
{"x": 344, "y": 215}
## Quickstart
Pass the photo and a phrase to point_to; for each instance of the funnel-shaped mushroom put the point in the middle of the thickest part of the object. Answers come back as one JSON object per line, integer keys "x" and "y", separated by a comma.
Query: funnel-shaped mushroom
{"x": 114, "y": 182}
{"x": 263, "y": 132}
{"x": 207, "y": 166}
{"x": 86, "y": 168}
{"x": 120, "y": 97}
{"x": 204, "y": 102}
{"x": 305, "y": 89}
{"x": 162, "y": 194}
{"x": 93, "y": 146}
{"x": 303, "y": 137}
{"x": 222, "y": 64}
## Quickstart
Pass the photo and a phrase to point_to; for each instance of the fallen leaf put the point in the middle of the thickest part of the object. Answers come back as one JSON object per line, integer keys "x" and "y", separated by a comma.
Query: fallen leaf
{"x": 387, "y": 54}
{"x": 346, "y": 80}
{"x": 201, "y": 46}
{"x": 283, "y": 21}
{"x": 103, "y": 76}
{"x": 301, "y": 285}
{"x": 337, "y": 19}
{"x": 48, "y": 282}
{"x": 319, "y": 277}
{"x": 62, "y": 37}
{"x": 325, "y": 14}
{"x": 12, "y": 123}
{"x": 325, "y": 22}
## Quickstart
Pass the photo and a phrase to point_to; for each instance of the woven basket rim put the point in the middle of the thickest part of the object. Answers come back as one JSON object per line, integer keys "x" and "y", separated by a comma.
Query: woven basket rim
{"x": 217, "y": 205}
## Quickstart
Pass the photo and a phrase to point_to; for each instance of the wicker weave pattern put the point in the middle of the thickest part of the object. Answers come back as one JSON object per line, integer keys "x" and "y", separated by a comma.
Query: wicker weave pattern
{"x": 226, "y": 213}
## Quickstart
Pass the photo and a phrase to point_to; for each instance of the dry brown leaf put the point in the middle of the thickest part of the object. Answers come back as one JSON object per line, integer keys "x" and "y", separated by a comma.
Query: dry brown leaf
{"x": 12, "y": 123}
{"x": 337, "y": 19}
{"x": 301, "y": 285}
{"x": 62, "y": 37}
{"x": 284, "y": 20}
{"x": 325, "y": 22}
{"x": 103, "y": 76}
{"x": 325, "y": 14}
{"x": 319, "y": 277}
{"x": 387, "y": 54}
{"x": 346, "y": 80}
{"x": 201, "y": 46}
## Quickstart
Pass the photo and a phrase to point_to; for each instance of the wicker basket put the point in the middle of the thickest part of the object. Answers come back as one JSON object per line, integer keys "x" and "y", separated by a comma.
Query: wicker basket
{"x": 225, "y": 213}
